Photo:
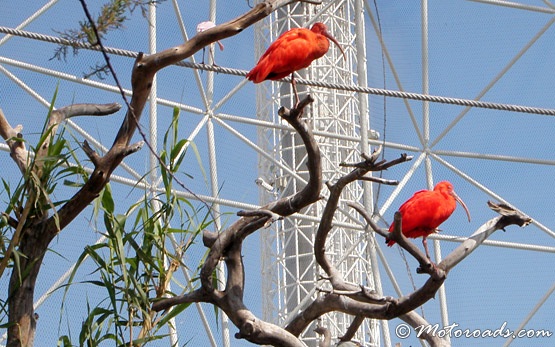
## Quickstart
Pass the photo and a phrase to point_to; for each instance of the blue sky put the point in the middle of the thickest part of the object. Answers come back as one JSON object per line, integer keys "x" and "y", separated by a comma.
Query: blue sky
{"x": 469, "y": 44}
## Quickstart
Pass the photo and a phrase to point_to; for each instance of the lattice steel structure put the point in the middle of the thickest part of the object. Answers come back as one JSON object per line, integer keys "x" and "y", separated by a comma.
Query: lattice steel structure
{"x": 489, "y": 150}
{"x": 340, "y": 118}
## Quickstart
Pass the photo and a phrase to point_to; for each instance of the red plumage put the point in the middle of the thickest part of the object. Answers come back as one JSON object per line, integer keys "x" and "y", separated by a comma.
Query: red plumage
{"x": 426, "y": 210}
{"x": 294, "y": 50}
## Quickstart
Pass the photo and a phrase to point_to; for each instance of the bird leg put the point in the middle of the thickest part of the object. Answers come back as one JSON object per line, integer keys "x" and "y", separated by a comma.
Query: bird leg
{"x": 211, "y": 50}
{"x": 425, "y": 244}
{"x": 294, "y": 84}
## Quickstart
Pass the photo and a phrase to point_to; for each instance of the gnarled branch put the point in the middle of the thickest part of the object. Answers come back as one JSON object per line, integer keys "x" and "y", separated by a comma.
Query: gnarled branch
{"x": 14, "y": 139}
{"x": 228, "y": 244}
{"x": 369, "y": 164}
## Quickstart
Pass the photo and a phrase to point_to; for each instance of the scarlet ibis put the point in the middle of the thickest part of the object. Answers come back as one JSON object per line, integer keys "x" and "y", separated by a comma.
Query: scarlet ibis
{"x": 294, "y": 50}
{"x": 426, "y": 210}
{"x": 202, "y": 26}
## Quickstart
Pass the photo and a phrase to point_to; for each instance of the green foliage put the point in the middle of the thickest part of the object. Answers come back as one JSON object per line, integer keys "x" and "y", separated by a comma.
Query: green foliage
{"x": 112, "y": 16}
{"x": 143, "y": 248}
{"x": 57, "y": 164}
{"x": 137, "y": 260}
{"x": 30, "y": 199}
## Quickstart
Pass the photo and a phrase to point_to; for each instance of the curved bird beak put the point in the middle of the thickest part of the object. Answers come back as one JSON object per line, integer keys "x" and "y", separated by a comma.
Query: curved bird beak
{"x": 459, "y": 200}
{"x": 332, "y": 39}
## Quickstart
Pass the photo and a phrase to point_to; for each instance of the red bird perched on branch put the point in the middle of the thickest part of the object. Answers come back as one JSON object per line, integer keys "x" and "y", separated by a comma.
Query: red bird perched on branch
{"x": 292, "y": 51}
{"x": 426, "y": 210}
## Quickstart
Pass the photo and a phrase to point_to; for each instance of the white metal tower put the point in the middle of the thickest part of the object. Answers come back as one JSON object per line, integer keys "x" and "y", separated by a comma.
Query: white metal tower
{"x": 340, "y": 119}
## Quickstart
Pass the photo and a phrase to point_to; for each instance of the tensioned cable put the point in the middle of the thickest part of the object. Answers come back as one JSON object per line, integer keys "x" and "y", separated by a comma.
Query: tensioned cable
{"x": 351, "y": 88}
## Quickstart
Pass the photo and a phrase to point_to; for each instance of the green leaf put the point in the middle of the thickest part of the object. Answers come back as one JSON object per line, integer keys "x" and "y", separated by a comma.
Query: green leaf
{"x": 107, "y": 199}
{"x": 64, "y": 341}
{"x": 44, "y": 131}
{"x": 73, "y": 184}
{"x": 199, "y": 161}
{"x": 139, "y": 342}
{"x": 177, "y": 309}
{"x": 178, "y": 154}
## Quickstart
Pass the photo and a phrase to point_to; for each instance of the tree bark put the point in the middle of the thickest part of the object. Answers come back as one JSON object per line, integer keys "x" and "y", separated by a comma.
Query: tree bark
{"x": 35, "y": 234}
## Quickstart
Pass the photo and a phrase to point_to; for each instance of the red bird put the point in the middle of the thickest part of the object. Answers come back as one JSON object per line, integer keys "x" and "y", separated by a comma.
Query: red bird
{"x": 426, "y": 210}
{"x": 292, "y": 51}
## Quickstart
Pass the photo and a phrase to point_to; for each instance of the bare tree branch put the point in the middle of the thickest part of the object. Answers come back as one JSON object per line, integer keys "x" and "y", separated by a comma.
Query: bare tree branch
{"x": 144, "y": 70}
{"x": 360, "y": 209}
{"x": 10, "y": 220}
{"x": 426, "y": 265}
{"x": 34, "y": 244}
{"x": 415, "y": 320}
{"x": 509, "y": 216}
{"x": 228, "y": 245}
{"x": 353, "y": 328}
{"x": 91, "y": 153}
{"x": 329, "y": 303}
{"x": 369, "y": 164}
{"x": 14, "y": 139}
{"x": 359, "y": 301}
{"x": 60, "y": 115}
{"x": 325, "y": 332}
{"x": 342, "y": 299}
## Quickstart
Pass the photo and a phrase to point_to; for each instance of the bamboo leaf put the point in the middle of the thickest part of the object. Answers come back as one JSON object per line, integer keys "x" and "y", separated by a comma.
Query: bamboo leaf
{"x": 107, "y": 199}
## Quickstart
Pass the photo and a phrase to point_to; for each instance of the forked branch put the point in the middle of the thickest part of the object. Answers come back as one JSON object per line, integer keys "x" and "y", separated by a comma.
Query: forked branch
{"x": 227, "y": 245}
{"x": 370, "y": 163}
{"x": 144, "y": 70}
{"x": 342, "y": 299}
